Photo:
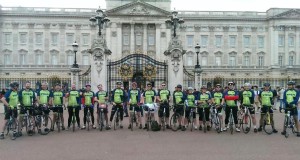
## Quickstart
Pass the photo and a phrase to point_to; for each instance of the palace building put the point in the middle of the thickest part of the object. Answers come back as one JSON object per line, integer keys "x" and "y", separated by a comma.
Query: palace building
{"x": 239, "y": 46}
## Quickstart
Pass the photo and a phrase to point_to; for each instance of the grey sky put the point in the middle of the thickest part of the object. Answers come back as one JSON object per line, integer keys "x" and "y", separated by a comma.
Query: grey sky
{"x": 197, "y": 5}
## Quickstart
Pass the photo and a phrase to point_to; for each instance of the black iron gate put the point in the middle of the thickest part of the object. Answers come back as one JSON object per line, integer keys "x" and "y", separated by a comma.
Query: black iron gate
{"x": 137, "y": 68}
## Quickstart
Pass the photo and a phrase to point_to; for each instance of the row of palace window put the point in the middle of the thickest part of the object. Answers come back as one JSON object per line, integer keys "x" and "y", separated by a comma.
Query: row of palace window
{"x": 233, "y": 61}
{"x": 247, "y": 39}
{"x": 70, "y": 38}
{"x": 39, "y": 59}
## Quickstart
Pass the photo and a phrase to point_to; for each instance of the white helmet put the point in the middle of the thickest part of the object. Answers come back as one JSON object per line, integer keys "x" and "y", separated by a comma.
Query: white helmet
{"x": 247, "y": 84}
{"x": 190, "y": 88}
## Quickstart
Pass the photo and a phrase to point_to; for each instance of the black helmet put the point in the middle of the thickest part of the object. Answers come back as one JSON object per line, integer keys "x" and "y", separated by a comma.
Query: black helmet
{"x": 231, "y": 83}
{"x": 267, "y": 84}
{"x": 179, "y": 86}
{"x": 291, "y": 83}
{"x": 14, "y": 84}
{"x": 118, "y": 83}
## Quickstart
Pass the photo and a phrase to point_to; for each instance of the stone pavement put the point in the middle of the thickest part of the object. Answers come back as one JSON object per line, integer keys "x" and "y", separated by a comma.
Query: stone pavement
{"x": 124, "y": 144}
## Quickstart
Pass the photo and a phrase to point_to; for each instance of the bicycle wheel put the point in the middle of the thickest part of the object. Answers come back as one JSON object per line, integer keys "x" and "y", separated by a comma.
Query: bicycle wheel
{"x": 174, "y": 122}
{"x": 100, "y": 120}
{"x": 30, "y": 125}
{"x": 246, "y": 123}
{"x": 192, "y": 122}
{"x": 267, "y": 127}
{"x": 8, "y": 126}
{"x": 163, "y": 122}
{"x": 204, "y": 122}
{"x": 116, "y": 120}
{"x": 88, "y": 119}
{"x": 231, "y": 123}
{"x": 46, "y": 122}
{"x": 287, "y": 127}
{"x": 58, "y": 119}
{"x": 217, "y": 123}
{"x": 149, "y": 121}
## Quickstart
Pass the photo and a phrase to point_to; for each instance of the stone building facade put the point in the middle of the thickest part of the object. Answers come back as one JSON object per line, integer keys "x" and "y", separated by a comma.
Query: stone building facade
{"x": 255, "y": 47}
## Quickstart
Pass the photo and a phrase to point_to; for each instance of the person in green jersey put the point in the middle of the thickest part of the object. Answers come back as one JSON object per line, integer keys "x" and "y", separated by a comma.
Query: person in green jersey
{"x": 190, "y": 103}
{"x": 218, "y": 101}
{"x": 10, "y": 101}
{"x": 231, "y": 97}
{"x": 134, "y": 97}
{"x": 178, "y": 100}
{"x": 203, "y": 101}
{"x": 43, "y": 99}
{"x": 73, "y": 98}
{"x": 27, "y": 99}
{"x": 101, "y": 99}
{"x": 88, "y": 96}
{"x": 149, "y": 97}
{"x": 247, "y": 99}
{"x": 266, "y": 100}
{"x": 290, "y": 99}
{"x": 118, "y": 99}
{"x": 164, "y": 99}
{"x": 57, "y": 98}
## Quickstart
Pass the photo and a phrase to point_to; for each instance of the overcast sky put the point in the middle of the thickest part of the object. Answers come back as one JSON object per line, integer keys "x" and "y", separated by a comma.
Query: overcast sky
{"x": 198, "y": 5}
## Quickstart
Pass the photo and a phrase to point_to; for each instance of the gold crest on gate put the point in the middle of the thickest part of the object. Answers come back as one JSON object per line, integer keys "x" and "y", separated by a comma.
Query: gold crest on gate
{"x": 149, "y": 71}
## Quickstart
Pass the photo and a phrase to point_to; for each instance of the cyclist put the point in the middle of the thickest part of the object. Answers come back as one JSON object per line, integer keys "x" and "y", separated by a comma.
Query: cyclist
{"x": 266, "y": 98}
{"x": 10, "y": 101}
{"x": 190, "y": 103}
{"x": 118, "y": 98}
{"x": 178, "y": 100}
{"x": 203, "y": 100}
{"x": 58, "y": 100}
{"x": 102, "y": 98}
{"x": 149, "y": 97}
{"x": 163, "y": 98}
{"x": 256, "y": 99}
{"x": 134, "y": 97}
{"x": 73, "y": 99}
{"x": 231, "y": 96}
{"x": 218, "y": 100}
{"x": 290, "y": 99}
{"x": 88, "y": 104}
{"x": 43, "y": 99}
{"x": 247, "y": 99}
{"x": 27, "y": 99}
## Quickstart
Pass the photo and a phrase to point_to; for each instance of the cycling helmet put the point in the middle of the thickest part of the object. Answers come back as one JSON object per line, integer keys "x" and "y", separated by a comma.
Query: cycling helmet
{"x": 218, "y": 85}
{"x": 88, "y": 85}
{"x": 247, "y": 84}
{"x": 14, "y": 84}
{"x": 291, "y": 83}
{"x": 179, "y": 86}
{"x": 118, "y": 83}
{"x": 190, "y": 88}
{"x": 231, "y": 83}
{"x": 267, "y": 84}
{"x": 149, "y": 84}
{"x": 57, "y": 84}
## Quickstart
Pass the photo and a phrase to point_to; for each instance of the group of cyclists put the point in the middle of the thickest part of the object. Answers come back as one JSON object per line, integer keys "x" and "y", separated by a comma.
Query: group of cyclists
{"x": 183, "y": 102}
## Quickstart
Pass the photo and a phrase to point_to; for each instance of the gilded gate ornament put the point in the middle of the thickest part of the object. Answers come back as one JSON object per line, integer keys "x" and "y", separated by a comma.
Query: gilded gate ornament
{"x": 126, "y": 71}
{"x": 149, "y": 71}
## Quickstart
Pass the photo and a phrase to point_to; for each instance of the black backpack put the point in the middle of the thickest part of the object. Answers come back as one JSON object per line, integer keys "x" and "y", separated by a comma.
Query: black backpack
{"x": 155, "y": 126}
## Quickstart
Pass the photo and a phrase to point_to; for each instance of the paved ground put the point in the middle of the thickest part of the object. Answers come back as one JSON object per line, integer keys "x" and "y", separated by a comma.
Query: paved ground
{"x": 143, "y": 145}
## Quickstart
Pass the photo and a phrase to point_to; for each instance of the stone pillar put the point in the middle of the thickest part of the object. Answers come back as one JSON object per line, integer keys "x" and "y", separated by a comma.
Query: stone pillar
{"x": 157, "y": 40}
{"x": 145, "y": 37}
{"x": 174, "y": 55}
{"x": 132, "y": 48}
{"x": 99, "y": 57}
{"x": 75, "y": 76}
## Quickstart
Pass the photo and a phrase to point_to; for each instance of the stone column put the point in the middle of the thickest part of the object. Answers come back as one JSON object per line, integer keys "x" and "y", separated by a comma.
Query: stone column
{"x": 272, "y": 45}
{"x": 157, "y": 41}
{"x": 132, "y": 38}
{"x": 174, "y": 55}
{"x": 99, "y": 57}
{"x": 145, "y": 37}
{"x": 119, "y": 39}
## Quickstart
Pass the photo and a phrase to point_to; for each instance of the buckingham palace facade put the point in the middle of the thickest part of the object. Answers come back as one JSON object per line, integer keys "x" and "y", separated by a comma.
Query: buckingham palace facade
{"x": 243, "y": 46}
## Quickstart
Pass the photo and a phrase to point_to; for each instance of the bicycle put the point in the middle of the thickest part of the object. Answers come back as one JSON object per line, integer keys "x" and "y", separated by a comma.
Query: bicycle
{"x": 267, "y": 125}
{"x": 231, "y": 121}
{"x": 191, "y": 117}
{"x": 88, "y": 117}
{"x": 215, "y": 119}
{"x": 245, "y": 119}
{"x": 149, "y": 108}
{"x": 289, "y": 124}
{"x": 43, "y": 120}
{"x": 57, "y": 121}
{"x": 163, "y": 118}
{"x": 27, "y": 121}
{"x": 203, "y": 118}
{"x": 174, "y": 119}
{"x": 101, "y": 116}
{"x": 133, "y": 118}
{"x": 12, "y": 125}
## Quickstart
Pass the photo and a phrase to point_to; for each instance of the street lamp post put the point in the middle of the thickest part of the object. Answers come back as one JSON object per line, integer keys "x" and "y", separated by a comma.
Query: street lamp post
{"x": 75, "y": 49}
{"x": 174, "y": 21}
{"x": 99, "y": 19}
{"x": 197, "y": 69}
